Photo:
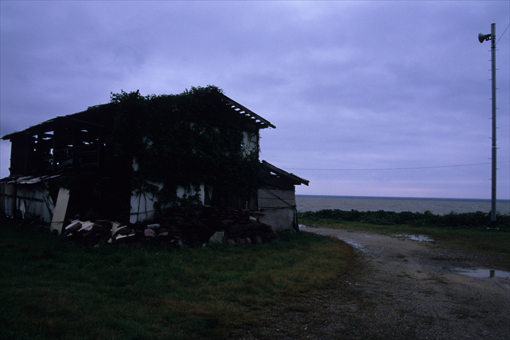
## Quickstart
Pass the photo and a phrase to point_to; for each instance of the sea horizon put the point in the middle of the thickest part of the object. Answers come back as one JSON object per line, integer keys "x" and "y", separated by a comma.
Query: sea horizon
{"x": 406, "y": 198}
{"x": 399, "y": 204}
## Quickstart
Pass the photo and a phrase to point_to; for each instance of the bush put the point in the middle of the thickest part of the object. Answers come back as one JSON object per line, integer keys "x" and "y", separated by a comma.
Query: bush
{"x": 474, "y": 220}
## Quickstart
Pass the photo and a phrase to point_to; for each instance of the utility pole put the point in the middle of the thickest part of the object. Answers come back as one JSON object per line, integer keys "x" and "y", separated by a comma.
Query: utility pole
{"x": 482, "y": 38}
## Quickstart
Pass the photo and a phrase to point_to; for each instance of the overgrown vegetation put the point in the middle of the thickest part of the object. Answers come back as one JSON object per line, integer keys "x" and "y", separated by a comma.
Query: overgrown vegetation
{"x": 159, "y": 143}
{"x": 182, "y": 140}
{"x": 52, "y": 290}
{"x": 476, "y": 220}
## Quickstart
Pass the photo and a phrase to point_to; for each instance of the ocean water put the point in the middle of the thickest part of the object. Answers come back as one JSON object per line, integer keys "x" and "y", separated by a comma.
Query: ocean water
{"x": 439, "y": 206}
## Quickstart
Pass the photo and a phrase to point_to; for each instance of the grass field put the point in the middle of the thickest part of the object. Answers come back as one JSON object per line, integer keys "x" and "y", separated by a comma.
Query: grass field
{"x": 50, "y": 289}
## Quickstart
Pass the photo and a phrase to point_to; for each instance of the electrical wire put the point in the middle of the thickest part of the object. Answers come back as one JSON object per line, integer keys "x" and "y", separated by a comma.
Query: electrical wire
{"x": 409, "y": 168}
{"x": 502, "y": 34}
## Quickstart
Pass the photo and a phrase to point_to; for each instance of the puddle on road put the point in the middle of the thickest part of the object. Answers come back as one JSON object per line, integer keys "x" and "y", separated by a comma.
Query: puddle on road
{"x": 420, "y": 238}
{"x": 482, "y": 273}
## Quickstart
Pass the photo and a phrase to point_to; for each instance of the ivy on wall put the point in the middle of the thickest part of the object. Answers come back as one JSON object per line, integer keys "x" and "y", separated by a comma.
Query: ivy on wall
{"x": 182, "y": 140}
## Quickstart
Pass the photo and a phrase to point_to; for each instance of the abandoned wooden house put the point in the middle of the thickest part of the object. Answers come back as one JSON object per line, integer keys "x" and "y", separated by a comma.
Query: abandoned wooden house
{"x": 136, "y": 156}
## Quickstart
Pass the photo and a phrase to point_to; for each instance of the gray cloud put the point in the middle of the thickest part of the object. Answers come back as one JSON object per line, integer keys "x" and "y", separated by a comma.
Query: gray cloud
{"x": 349, "y": 85}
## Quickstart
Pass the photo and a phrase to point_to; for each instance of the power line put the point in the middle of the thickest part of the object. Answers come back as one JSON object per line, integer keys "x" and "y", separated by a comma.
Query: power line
{"x": 409, "y": 168}
{"x": 502, "y": 34}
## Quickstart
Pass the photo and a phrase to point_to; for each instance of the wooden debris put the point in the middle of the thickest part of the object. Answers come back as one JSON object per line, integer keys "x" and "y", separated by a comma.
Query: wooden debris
{"x": 193, "y": 227}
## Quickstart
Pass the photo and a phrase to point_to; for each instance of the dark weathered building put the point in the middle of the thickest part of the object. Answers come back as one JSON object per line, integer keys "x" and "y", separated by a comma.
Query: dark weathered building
{"x": 136, "y": 156}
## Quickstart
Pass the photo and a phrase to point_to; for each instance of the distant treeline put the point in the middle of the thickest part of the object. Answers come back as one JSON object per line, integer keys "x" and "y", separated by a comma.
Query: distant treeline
{"x": 474, "y": 220}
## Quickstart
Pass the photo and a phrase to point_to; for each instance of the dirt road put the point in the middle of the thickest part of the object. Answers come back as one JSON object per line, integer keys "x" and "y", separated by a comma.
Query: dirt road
{"x": 412, "y": 289}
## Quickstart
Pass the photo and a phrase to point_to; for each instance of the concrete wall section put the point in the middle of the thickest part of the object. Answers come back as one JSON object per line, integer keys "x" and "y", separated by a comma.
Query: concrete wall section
{"x": 279, "y": 218}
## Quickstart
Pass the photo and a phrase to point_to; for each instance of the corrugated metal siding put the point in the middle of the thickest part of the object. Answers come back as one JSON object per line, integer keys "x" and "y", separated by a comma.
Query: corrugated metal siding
{"x": 275, "y": 198}
{"x": 142, "y": 204}
{"x": 32, "y": 200}
{"x": 278, "y": 208}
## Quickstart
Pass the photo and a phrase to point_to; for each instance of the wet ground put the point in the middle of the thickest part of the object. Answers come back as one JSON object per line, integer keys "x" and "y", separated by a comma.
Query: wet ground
{"x": 420, "y": 290}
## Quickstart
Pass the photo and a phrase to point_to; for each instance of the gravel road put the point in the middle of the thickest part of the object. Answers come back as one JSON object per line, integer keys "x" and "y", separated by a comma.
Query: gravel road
{"x": 413, "y": 289}
{"x": 402, "y": 289}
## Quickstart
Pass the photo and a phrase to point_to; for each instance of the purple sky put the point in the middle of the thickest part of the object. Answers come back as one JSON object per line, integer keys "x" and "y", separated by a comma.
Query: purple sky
{"x": 393, "y": 95}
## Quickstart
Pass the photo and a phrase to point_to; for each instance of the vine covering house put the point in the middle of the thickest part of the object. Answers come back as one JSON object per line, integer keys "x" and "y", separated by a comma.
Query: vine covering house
{"x": 137, "y": 156}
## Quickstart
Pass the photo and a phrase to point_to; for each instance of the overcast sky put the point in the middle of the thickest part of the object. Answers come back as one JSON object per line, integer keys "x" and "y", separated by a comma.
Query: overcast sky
{"x": 369, "y": 98}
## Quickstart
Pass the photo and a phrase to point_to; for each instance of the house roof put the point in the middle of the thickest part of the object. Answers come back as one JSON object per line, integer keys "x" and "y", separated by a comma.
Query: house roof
{"x": 261, "y": 122}
{"x": 28, "y": 179}
{"x": 96, "y": 118}
{"x": 88, "y": 117}
{"x": 282, "y": 173}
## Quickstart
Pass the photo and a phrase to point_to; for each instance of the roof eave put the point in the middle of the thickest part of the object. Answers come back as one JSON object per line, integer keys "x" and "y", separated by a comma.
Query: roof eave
{"x": 298, "y": 180}
{"x": 262, "y": 122}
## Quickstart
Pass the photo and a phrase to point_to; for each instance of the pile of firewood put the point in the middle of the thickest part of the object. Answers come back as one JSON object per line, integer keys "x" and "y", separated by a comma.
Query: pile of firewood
{"x": 193, "y": 227}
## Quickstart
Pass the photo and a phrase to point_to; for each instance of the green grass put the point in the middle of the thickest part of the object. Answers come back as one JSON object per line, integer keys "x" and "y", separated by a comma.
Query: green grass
{"x": 50, "y": 289}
